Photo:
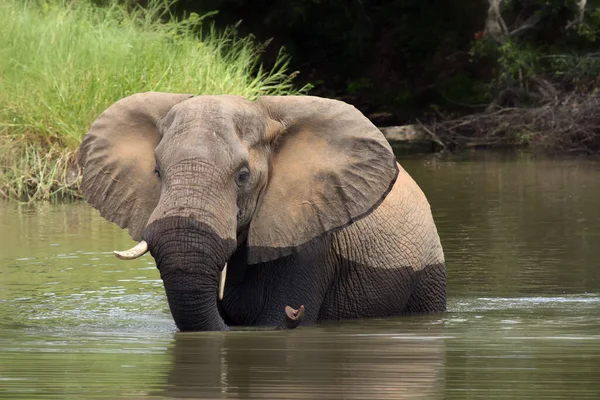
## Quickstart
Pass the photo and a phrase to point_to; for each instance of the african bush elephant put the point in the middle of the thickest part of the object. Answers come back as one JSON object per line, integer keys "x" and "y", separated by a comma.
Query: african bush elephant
{"x": 298, "y": 198}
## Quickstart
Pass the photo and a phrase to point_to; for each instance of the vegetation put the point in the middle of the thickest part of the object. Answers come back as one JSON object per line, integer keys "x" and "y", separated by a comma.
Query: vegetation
{"x": 543, "y": 89}
{"x": 539, "y": 46}
{"x": 63, "y": 62}
{"x": 393, "y": 56}
{"x": 403, "y": 60}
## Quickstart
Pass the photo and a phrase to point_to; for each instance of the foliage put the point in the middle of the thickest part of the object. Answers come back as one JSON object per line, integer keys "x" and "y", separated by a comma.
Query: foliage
{"x": 63, "y": 62}
{"x": 543, "y": 41}
{"x": 402, "y": 56}
{"x": 382, "y": 56}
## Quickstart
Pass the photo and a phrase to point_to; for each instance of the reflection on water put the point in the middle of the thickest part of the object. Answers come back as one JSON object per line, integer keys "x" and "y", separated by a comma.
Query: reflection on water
{"x": 314, "y": 363}
{"x": 516, "y": 224}
{"x": 524, "y": 309}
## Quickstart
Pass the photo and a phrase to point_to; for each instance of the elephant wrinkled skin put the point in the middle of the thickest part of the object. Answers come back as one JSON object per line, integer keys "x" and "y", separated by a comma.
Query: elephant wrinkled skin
{"x": 301, "y": 197}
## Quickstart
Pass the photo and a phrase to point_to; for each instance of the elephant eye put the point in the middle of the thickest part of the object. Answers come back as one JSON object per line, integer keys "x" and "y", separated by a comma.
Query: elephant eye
{"x": 157, "y": 170}
{"x": 242, "y": 177}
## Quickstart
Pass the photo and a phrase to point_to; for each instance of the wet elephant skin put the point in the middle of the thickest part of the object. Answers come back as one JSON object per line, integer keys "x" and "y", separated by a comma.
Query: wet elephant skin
{"x": 299, "y": 199}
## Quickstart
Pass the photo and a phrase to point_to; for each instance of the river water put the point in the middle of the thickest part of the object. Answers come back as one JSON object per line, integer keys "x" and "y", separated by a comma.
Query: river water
{"x": 522, "y": 241}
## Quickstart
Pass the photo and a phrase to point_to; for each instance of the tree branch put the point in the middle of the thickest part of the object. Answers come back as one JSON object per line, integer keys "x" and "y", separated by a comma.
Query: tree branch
{"x": 580, "y": 14}
{"x": 495, "y": 27}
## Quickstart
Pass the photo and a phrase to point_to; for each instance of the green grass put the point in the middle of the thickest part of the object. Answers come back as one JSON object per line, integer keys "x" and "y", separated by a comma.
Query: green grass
{"x": 63, "y": 62}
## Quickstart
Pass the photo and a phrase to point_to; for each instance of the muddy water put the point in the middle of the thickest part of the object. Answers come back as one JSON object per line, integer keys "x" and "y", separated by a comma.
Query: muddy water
{"x": 522, "y": 242}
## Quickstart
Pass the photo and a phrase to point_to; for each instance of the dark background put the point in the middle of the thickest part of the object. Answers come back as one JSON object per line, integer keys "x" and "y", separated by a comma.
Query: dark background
{"x": 406, "y": 59}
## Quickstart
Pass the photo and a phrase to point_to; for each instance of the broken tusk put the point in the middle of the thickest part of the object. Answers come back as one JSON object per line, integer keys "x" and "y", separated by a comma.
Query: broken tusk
{"x": 222, "y": 282}
{"x": 137, "y": 251}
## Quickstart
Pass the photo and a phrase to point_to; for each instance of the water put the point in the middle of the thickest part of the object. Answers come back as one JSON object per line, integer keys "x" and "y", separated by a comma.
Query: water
{"x": 521, "y": 236}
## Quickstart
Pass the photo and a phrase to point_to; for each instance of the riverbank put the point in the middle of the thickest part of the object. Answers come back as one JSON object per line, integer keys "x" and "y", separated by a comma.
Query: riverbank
{"x": 65, "y": 62}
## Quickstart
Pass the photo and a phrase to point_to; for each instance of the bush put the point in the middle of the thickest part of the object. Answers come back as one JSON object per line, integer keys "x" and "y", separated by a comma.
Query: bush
{"x": 544, "y": 47}
{"x": 63, "y": 62}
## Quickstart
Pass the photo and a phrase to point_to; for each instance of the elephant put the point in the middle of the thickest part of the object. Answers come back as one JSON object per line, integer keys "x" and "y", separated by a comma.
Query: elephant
{"x": 249, "y": 206}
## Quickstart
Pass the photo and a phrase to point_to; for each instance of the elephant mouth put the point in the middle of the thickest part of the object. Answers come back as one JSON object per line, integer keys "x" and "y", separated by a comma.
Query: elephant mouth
{"x": 191, "y": 284}
{"x": 142, "y": 248}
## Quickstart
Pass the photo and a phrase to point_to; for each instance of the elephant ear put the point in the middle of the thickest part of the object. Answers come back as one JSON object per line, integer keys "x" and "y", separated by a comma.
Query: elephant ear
{"x": 330, "y": 167}
{"x": 117, "y": 157}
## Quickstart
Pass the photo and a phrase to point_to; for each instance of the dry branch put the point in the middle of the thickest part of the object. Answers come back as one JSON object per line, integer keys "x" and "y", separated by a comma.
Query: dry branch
{"x": 570, "y": 122}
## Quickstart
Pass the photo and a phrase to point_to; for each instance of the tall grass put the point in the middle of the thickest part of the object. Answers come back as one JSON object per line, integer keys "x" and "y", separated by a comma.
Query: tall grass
{"x": 63, "y": 62}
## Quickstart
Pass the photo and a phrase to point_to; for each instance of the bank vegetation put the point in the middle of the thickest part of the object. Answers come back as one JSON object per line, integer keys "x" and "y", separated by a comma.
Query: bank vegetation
{"x": 470, "y": 73}
{"x": 63, "y": 62}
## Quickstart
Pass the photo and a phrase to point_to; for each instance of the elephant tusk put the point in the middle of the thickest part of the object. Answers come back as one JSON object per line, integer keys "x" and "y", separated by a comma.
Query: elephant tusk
{"x": 137, "y": 251}
{"x": 222, "y": 282}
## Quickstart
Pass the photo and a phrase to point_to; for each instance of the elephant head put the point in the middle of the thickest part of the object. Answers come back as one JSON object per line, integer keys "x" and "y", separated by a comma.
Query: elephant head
{"x": 195, "y": 178}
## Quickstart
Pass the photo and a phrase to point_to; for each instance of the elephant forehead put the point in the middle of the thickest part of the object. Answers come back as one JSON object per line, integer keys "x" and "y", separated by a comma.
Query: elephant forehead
{"x": 222, "y": 102}
{"x": 193, "y": 138}
{"x": 399, "y": 233}
{"x": 198, "y": 119}
{"x": 217, "y": 112}
{"x": 220, "y": 127}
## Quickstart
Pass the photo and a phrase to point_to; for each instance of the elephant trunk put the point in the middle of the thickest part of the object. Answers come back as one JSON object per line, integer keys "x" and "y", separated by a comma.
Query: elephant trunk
{"x": 193, "y": 301}
{"x": 190, "y": 258}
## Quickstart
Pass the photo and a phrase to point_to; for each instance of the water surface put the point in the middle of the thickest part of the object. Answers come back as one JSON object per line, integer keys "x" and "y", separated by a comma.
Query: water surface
{"x": 522, "y": 241}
